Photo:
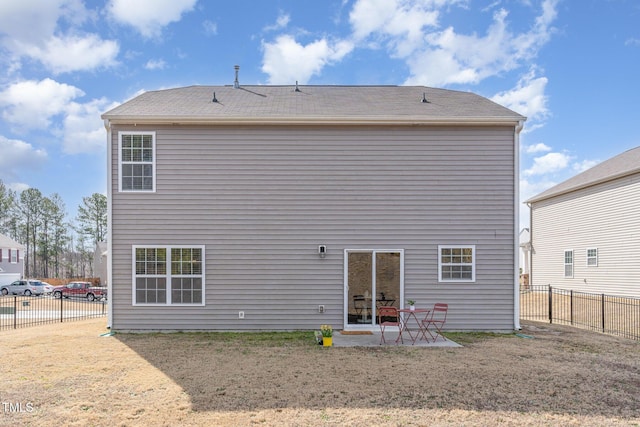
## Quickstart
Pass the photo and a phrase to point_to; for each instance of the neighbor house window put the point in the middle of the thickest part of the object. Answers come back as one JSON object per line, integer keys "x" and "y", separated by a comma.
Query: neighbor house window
{"x": 14, "y": 256}
{"x": 592, "y": 257}
{"x": 168, "y": 275}
{"x": 137, "y": 161}
{"x": 457, "y": 263}
{"x": 568, "y": 263}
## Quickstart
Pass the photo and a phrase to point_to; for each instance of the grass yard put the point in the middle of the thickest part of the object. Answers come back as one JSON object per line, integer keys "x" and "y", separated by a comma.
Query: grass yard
{"x": 68, "y": 374}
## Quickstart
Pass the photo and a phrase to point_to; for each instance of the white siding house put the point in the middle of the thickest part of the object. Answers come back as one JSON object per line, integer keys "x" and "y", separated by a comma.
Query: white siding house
{"x": 282, "y": 207}
{"x": 11, "y": 260}
{"x": 585, "y": 232}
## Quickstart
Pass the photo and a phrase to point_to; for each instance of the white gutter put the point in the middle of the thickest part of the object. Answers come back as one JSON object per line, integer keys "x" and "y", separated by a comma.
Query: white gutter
{"x": 109, "y": 251}
{"x": 516, "y": 225}
{"x": 365, "y": 120}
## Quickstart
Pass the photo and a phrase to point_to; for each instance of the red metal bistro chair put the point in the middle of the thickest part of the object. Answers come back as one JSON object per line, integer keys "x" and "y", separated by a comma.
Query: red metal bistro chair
{"x": 435, "y": 320}
{"x": 389, "y": 316}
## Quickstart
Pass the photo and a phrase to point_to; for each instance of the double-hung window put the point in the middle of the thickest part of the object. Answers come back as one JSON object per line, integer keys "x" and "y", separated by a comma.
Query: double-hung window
{"x": 592, "y": 257}
{"x": 137, "y": 166}
{"x": 13, "y": 256}
{"x": 457, "y": 263}
{"x": 568, "y": 263}
{"x": 168, "y": 275}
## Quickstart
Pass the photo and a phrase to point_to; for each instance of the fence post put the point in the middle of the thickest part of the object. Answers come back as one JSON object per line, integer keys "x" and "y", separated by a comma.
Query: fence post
{"x": 15, "y": 312}
{"x": 61, "y": 312}
{"x": 603, "y": 313}
{"x": 571, "y": 305}
{"x": 550, "y": 305}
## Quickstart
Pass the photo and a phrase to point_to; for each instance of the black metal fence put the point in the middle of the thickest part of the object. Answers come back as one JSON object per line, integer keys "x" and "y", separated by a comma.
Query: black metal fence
{"x": 599, "y": 312}
{"x": 22, "y": 311}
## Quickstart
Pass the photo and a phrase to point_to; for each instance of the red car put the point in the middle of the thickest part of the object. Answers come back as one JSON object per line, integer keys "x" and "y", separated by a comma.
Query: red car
{"x": 80, "y": 290}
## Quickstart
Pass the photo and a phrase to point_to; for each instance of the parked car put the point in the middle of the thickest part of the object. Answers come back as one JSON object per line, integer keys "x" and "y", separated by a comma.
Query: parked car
{"x": 80, "y": 290}
{"x": 25, "y": 287}
{"x": 48, "y": 289}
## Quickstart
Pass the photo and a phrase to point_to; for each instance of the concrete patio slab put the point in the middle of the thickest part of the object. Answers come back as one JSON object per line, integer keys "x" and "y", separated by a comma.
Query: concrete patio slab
{"x": 373, "y": 340}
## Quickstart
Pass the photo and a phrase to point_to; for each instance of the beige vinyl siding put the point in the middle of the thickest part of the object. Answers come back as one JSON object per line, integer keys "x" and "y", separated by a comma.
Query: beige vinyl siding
{"x": 605, "y": 217}
{"x": 261, "y": 200}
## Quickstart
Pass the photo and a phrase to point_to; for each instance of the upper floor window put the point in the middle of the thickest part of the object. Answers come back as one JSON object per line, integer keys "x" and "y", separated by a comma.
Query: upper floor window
{"x": 568, "y": 263}
{"x": 137, "y": 164}
{"x": 592, "y": 257}
{"x": 13, "y": 254}
{"x": 457, "y": 263}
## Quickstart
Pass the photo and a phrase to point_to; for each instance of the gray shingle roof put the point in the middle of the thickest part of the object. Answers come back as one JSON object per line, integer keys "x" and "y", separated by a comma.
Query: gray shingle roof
{"x": 309, "y": 104}
{"x": 7, "y": 242}
{"x": 621, "y": 165}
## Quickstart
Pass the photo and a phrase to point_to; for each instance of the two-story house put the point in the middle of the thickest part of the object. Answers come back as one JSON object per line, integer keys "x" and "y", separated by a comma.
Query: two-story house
{"x": 11, "y": 260}
{"x": 287, "y": 207}
{"x": 585, "y": 231}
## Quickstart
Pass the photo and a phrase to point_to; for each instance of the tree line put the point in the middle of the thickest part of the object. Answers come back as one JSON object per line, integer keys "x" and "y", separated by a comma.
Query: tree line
{"x": 55, "y": 247}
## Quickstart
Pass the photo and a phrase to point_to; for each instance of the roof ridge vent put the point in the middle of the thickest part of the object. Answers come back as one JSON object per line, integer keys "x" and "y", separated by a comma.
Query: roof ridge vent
{"x": 236, "y": 83}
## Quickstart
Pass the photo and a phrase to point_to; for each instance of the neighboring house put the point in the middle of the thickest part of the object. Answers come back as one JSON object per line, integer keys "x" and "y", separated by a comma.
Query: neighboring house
{"x": 11, "y": 260}
{"x": 100, "y": 262}
{"x": 287, "y": 207}
{"x": 585, "y": 232}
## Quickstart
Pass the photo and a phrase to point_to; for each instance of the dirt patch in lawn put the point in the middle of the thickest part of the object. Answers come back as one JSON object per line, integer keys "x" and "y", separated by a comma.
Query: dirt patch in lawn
{"x": 69, "y": 374}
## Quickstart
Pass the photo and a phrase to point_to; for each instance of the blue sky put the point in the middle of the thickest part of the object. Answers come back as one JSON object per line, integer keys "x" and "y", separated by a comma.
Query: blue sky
{"x": 570, "y": 66}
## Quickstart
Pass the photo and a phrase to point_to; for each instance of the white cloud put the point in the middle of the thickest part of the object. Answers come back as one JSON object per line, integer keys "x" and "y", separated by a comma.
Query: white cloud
{"x": 83, "y": 130}
{"x": 210, "y": 27}
{"x": 18, "y": 156}
{"x": 32, "y": 104}
{"x": 527, "y": 98}
{"x": 452, "y": 58}
{"x": 75, "y": 53}
{"x": 393, "y": 17}
{"x": 584, "y": 165}
{"x": 30, "y": 21}
{"x": 537, "y": 148}
{"x": 155, "y": 64}
{"x": 632, "y": 42}
{"x": 32, "y": 28}
{"x": 281, "y": 22}
{"x": 149, "y": 17}
{"x": 551, "y": 162}
{"x": 287, "y": 61}
{"x": 18, "y": 187}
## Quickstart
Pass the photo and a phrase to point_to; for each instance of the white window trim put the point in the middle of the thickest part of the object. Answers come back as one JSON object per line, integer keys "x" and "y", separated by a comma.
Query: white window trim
{"x": 588, "y": 257}
{"x": 564, "y": 263}
{"x": 168, "y": 275}
{"x": 473, "y": 264}
{"x": 153, "y": 162}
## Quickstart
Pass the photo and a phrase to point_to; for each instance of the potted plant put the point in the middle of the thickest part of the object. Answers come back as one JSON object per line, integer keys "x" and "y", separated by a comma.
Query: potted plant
{"x": 412, "y": 304}
{"x": 327, "y": 335}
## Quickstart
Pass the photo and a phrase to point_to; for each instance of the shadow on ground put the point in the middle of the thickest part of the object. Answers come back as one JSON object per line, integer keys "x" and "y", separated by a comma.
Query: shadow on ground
{"x": 550, "y": 369}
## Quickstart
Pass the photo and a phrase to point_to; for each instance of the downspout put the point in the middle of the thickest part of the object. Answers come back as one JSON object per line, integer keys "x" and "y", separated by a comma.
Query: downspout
{"x": 516, "y": 225}
{"x": 107, "y": 126}
{"x": 530, "y": 206}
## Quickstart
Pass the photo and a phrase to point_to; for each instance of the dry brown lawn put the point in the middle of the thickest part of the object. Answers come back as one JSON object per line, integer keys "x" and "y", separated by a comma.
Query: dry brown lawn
{"x": 69, "y": 375}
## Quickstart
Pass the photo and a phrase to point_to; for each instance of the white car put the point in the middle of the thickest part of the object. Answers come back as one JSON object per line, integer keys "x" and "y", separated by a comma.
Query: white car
{"x": 25, "y": 287}
{"x": 48, "y": 289}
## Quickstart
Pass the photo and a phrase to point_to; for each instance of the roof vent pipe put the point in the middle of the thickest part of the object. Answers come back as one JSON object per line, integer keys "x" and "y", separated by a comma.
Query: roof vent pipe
{"x": 424, "y": 98}
{"x": 297, "y": 89}
{"x": 236, "y": 83}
